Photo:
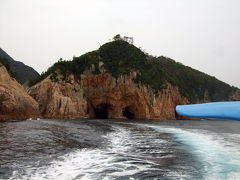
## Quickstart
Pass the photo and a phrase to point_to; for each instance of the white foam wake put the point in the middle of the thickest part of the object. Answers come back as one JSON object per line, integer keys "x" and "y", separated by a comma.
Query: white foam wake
{"x": 90, "y": 164}
{"x": 219, "y": 153}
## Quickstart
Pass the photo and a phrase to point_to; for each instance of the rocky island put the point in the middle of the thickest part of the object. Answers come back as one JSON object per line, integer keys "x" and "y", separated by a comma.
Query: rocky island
{"x": 118, "y": 80}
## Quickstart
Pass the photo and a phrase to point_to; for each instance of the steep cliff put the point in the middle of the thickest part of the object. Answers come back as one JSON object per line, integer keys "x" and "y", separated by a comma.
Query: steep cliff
{"x": 59, "y": 99}
{"x": 104, "y": 96}
{"x": 15, "y": 103}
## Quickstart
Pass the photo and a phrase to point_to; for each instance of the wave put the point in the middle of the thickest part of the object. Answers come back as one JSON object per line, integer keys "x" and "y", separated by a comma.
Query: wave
{"x": 219, "y": 153}
{"x": 112, "y": 162}
{"x": 141, "y": 151}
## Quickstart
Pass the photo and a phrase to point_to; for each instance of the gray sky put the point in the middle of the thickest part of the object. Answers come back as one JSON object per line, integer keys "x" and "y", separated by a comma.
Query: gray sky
{"x": 203, "y": 34}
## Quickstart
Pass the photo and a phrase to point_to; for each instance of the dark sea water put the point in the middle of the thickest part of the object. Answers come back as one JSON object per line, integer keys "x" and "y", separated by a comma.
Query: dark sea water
{"x": 119, "y": 149}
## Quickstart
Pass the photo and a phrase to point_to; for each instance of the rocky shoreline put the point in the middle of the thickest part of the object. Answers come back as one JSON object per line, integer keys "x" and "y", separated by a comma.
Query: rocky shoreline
{"x": 103, "y": 96}
{"x": 95, "y": 96}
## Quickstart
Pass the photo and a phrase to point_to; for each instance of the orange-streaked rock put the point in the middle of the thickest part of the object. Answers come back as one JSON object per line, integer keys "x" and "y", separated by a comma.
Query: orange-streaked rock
{"x": 121, "y": 96}
{"x": 15, "y": 103}
{"x": 59, "y": 100}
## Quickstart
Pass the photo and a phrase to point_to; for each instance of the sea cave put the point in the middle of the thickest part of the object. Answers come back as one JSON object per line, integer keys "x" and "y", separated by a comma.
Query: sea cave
{"x": 106, "y": 111}
{"x": 128, "y": 113}
{"x": 101, "y": 112}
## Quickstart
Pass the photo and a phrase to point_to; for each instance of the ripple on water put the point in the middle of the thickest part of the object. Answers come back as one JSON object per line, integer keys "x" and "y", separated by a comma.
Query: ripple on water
{"x": 117, "y": 150}
{"x": 125, "y": 155}
{"x": 218, "y": 152}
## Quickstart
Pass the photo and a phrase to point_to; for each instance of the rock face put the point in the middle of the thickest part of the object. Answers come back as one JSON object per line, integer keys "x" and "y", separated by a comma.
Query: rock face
{"x": 103, "y": 96}
{"x": 60, "y": 100}
{"x": 15, "y": 103}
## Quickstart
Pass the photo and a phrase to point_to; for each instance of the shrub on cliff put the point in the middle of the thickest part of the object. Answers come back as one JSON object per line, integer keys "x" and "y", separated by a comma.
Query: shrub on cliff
{"x": 120, "y": 57}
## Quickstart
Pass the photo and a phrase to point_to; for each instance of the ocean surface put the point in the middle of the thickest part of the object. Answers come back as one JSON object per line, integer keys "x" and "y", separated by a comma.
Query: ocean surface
{"x": 119, "y": 149}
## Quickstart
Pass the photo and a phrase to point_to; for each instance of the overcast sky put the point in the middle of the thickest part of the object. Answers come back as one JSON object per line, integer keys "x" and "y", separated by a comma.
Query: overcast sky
{"x": 203, "y": 34}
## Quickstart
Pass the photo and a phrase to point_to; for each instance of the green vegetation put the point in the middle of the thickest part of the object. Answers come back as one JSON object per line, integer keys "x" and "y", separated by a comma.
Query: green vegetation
{"x": 192, "y": 83}
{"x": 6, "y": 63}
{"x": 120, "y": 57}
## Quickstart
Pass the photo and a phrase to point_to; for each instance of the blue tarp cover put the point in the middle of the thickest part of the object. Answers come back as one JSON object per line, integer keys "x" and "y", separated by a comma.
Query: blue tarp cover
{"x": 216, "y": 110}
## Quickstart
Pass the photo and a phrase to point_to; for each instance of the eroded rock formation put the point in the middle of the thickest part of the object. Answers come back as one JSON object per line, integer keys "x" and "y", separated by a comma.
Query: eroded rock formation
{"x": 103, "y": 96}
{"x": 15, "y": 103}
{"x": 60, "y": 99}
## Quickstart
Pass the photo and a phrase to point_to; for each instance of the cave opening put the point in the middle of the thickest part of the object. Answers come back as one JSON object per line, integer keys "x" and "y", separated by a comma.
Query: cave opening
{"x": 128, "y": 113}
{"x": 101, "y": 112}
